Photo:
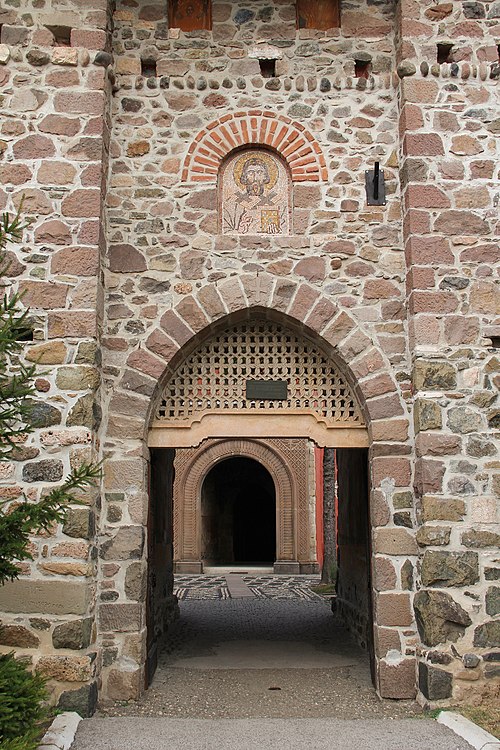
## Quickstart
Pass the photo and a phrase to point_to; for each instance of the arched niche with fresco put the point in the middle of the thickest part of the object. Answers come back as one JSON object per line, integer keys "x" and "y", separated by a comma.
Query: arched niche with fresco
{"x": 254, "y": 194}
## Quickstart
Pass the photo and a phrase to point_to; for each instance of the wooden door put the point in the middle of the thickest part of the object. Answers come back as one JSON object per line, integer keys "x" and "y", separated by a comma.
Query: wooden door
{"x": 160, "y": 569}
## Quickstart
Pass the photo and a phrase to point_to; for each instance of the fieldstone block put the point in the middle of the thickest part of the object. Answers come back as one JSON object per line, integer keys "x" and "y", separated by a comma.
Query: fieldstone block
{"x": 87, "y": 353}
{"x": 442, "y": 508}
{"x": 441, "y": 568}
{"x": 43, "y": 295}
{"x": 135, "y": 581}
{"x": 66, "y": 668}
{"x": 481, "y": 539}
{"x": 434, "y": 376}
{"x": 51, "y": 353}
{"x": 125, "y": 258}
{"x": 470, "y": 661}
{"x": 427, "y": 415}
{"x": 48, "y": 470}
{"x": 493, "y": 600}
{"x": 14, "y": 35}
{"x": 398, "y": 679}
{"x": 50, "y": 597}
{"x": 84, "y": 203}
{"x": 492, "y": 574}
{"x": 464, "y": 420}
{"x": 124, "y": 684}
{"x": 79, "y": 523}
{"x": 394, "y": 610}
{"x": 41, "y": 414}
{"x": 407, "y": 575}
{"x": 77, "y": 377}
{"x": 127, "y": 543}
{"x": 455, "y": 222}
{"x": 83, "y": 700}
{"x": 480, "y": 446}
{"x": 75, "y": 634}
{"x": 82, "y": 413}
{"x": 492, "y": 656}
{"x": 439, "y": 617}
{"x": 488, "y": 635}
{"x": 402, "y": 500}
{"x": 395, "y": 542}
{"x": 18, "y": 635}
{"x": 433, "y": 536}
{"x": 120, "y": 618}
{"x": 435, "y": 684}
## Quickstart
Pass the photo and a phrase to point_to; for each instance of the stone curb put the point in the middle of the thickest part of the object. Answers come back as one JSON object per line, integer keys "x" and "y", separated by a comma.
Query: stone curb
{"x": 61, "y": 733}
{"x": 476, "y": 737}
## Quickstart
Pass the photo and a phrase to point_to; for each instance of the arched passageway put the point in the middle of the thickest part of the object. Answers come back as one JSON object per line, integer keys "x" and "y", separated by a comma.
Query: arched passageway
{"x": 238, "y": 513}
{"x": 257, "y": 391}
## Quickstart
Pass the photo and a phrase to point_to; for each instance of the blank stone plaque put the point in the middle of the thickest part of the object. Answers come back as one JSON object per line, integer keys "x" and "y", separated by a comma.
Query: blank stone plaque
{"x": 267, "y": 390}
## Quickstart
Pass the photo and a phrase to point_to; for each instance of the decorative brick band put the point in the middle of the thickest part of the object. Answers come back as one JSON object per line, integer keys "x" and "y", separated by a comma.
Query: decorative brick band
{"x": 290, "y": 139}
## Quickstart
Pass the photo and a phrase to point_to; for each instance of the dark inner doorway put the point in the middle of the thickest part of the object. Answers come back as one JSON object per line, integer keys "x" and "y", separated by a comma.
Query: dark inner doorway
{"x": 238, "y": 513}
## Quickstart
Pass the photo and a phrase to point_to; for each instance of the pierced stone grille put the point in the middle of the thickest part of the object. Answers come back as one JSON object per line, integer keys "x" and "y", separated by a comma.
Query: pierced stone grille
{"x": 213, "y": 378}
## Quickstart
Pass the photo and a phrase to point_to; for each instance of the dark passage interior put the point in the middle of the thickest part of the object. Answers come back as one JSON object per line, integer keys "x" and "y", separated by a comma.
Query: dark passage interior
{"x": 238, "y": 513}
{"x": 238, "y": 528}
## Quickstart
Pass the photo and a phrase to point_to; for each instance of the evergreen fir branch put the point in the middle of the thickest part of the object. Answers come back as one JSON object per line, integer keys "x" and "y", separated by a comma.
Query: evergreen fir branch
{"x": 26, "y": 518}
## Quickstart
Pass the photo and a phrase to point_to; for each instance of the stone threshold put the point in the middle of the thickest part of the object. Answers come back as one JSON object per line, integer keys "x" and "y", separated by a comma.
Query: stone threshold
{"x": 61, "y": 733}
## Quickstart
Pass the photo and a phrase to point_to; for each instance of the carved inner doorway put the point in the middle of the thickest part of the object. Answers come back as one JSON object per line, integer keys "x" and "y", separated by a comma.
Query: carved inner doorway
{"x": 238, "y": 514}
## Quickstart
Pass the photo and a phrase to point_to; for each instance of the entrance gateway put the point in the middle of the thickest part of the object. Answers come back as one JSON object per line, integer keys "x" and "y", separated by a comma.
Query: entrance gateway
{"x": 210, "y": 411}
{"x": 245, "y": 465}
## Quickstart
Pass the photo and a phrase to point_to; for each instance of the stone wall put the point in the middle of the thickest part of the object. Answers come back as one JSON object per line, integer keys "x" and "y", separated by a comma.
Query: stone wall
{"x": 53, "y": 146}
{"x": 402, "y": 295}
{"x": 449, "y": 177}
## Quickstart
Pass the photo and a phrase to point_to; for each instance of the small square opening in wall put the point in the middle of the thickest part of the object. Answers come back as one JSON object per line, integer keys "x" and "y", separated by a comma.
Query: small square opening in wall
{"x": 61, "y": 34}
{"x": 362, "y": 68}
{"x": 148, "y": 68}
{"x": 495, "y": 342}
{"x": 444, "y": 52}
{"x": 25, "y": 333}
{"x": 267, "y": 68}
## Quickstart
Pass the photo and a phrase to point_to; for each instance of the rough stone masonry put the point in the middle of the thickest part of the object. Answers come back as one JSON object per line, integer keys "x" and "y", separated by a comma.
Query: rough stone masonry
{"x": 114, "y": 127}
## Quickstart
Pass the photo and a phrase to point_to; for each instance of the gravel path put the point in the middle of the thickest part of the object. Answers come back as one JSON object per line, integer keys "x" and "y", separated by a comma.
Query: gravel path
{"x": 244, "y": 658}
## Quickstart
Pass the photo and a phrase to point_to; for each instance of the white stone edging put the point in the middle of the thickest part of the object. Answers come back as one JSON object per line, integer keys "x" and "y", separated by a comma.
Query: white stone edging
{"x": 476, "y": 737}
{"x": 61, "y": 733}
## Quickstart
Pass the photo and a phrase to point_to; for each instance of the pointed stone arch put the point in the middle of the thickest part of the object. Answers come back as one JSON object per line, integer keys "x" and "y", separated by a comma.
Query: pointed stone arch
{"x": 195, "y": 316}
{"x": 295, "y": 144}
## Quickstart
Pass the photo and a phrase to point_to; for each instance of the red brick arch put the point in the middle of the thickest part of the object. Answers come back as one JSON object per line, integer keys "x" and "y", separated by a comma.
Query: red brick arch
{"x": 256, "y": 127}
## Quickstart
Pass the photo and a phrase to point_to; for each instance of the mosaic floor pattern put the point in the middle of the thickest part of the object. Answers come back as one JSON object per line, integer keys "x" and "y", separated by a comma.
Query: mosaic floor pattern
{"x": 210, "y": 587}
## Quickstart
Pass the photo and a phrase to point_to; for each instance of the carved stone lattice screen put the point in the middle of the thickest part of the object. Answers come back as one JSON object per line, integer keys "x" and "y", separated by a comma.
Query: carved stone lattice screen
{"x": 213, "y": 378}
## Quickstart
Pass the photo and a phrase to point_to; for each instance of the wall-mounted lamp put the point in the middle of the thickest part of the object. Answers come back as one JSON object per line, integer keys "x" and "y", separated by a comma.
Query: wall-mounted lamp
{"x": 375, "y": 186}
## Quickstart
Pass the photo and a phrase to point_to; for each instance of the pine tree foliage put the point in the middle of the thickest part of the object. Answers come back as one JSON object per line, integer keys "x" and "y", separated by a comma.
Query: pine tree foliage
{"x": 16, "y": 379}
{"x": 19, "y": 520}
{"x": 22, "y": 697}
